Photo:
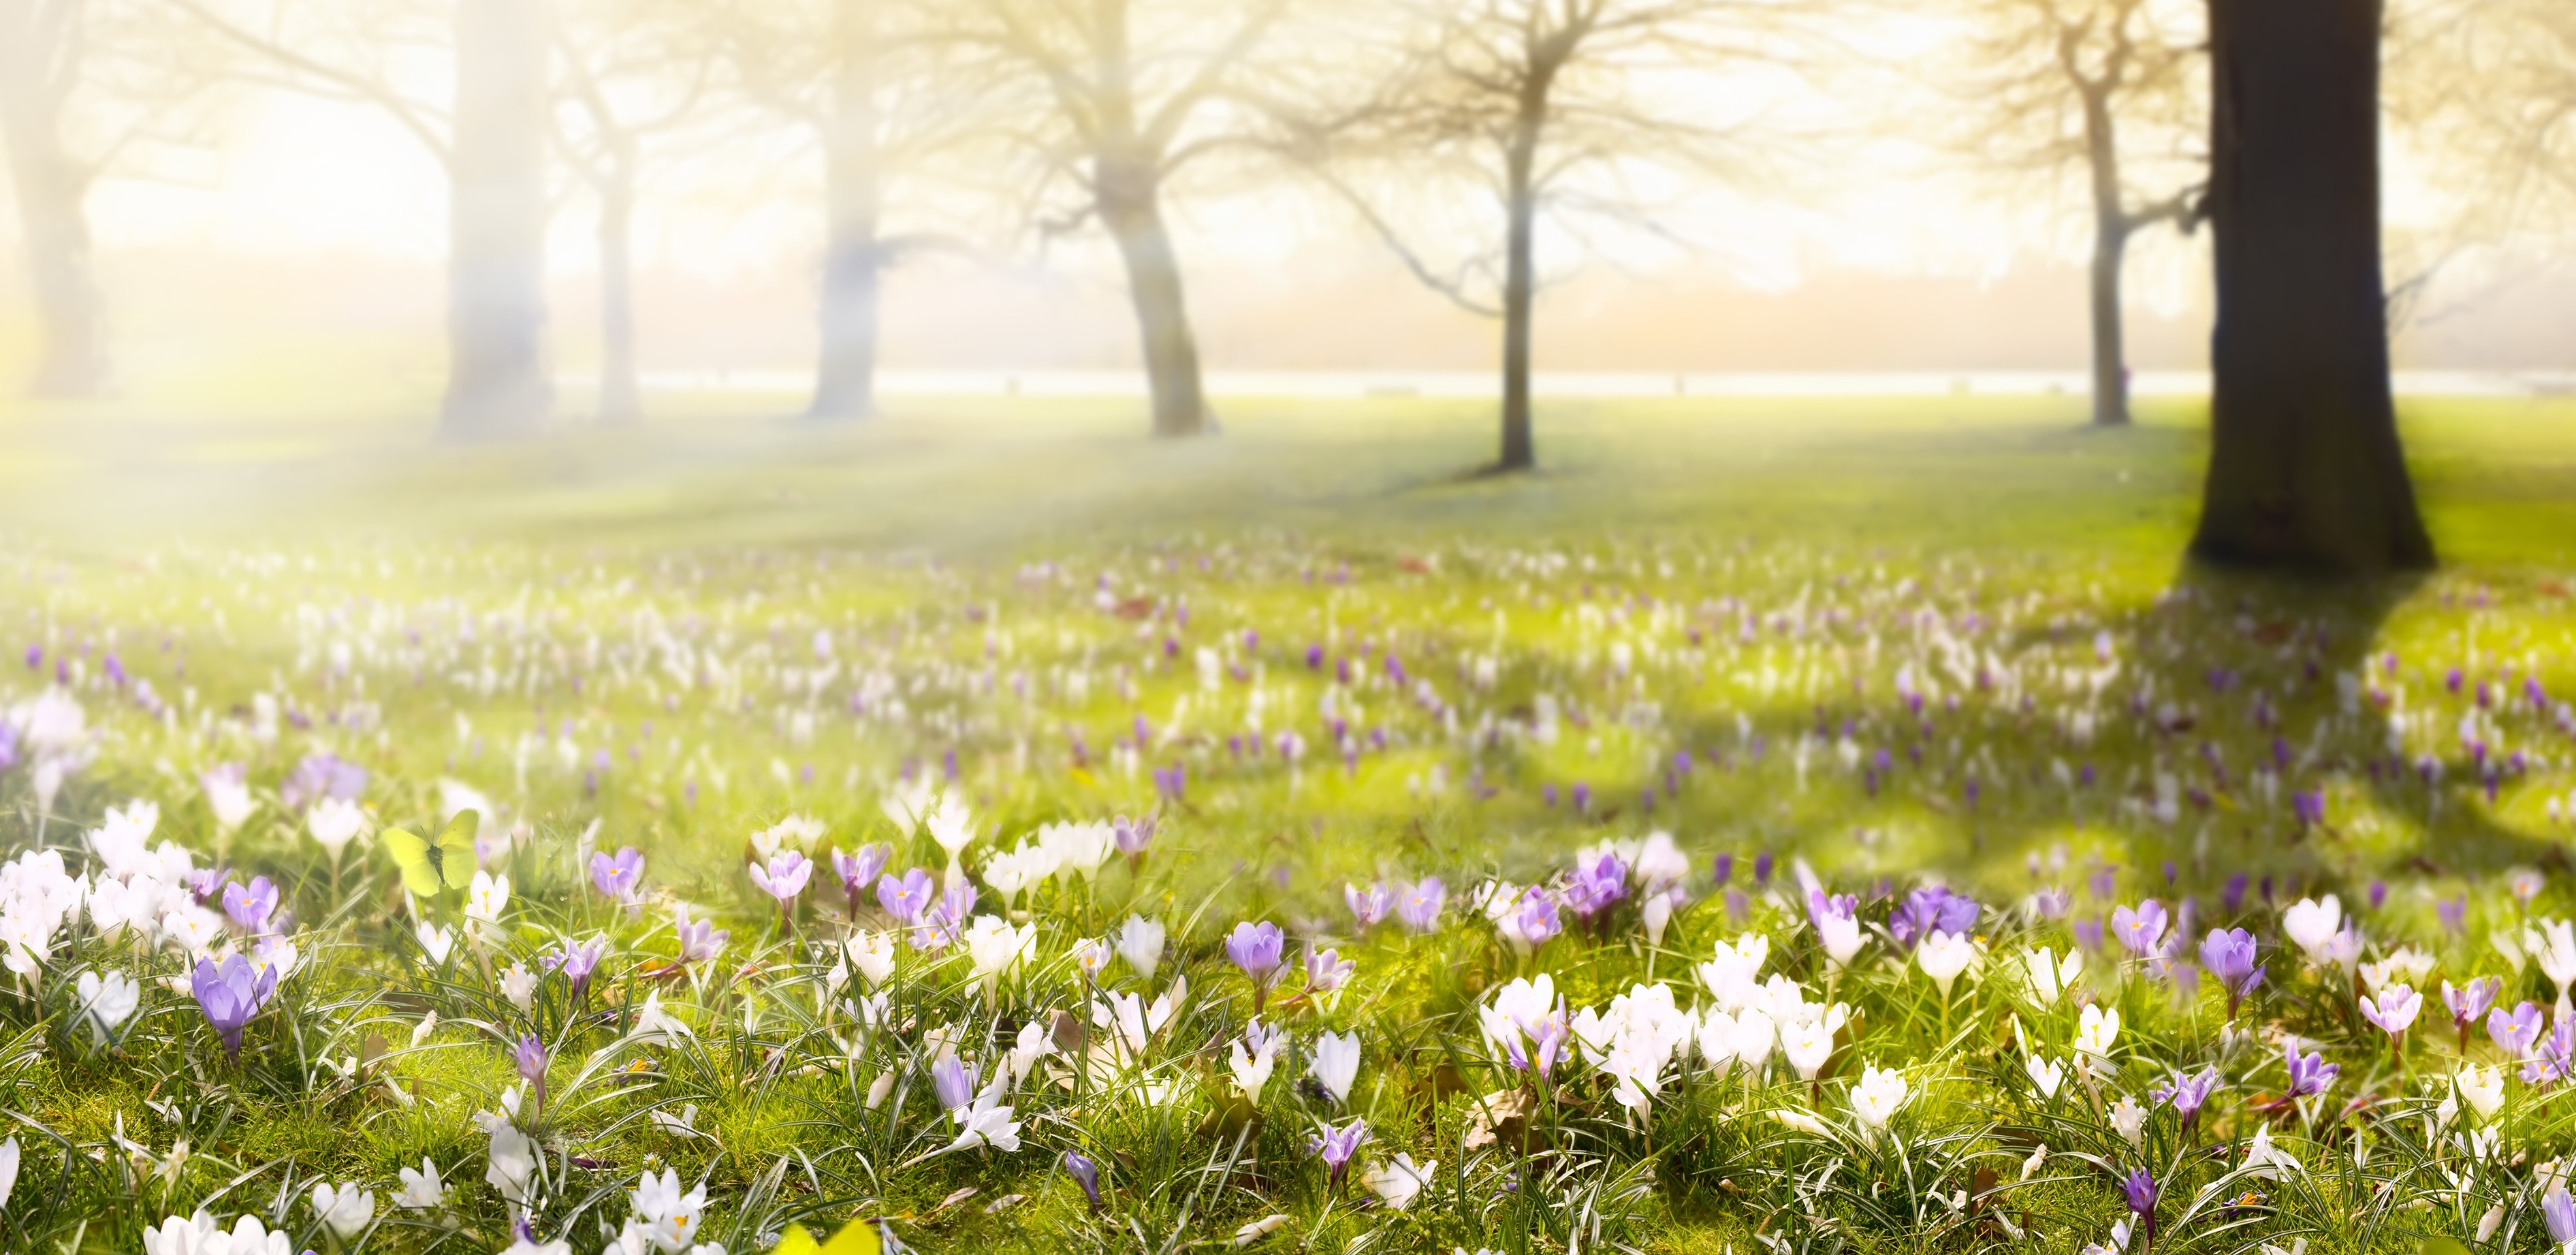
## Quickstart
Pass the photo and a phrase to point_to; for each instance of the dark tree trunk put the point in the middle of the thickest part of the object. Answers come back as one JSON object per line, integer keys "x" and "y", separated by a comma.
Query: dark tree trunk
{"x": 2305, "y": 467}
{"x": 496, "y": 317}
{"x": 621, "y": 398}
{"x": 1130, "y": 206}
{"x": 2111, "y": 228}
{"x": 1520, "y": 295}
{"x": 51, "y": 190}
{"x": 845, "y": 374}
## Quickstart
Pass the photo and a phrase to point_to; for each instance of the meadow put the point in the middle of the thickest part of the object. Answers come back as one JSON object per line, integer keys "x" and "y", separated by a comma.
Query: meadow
{"x": 1819, "y": 825}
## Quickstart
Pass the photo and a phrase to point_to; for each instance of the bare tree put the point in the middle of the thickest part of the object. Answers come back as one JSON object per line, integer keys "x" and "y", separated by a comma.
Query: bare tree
{"x": 1547, "y": 113}
{"x": 632, "y": 73}
{"x": 2305, "y": 467}
{"x": 84, "y": 85}
{"x": 2047, "y": 90}
{"x": 2490, "y": 86}
{"x": 864, "y": 79}
{"x": 490, "y": 136}
{"x": 1111, "y": 101}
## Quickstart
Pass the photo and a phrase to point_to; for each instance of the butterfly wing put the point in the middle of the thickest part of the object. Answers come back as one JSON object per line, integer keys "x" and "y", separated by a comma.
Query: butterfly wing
{"x": 855, "y": 1238}
{"x": 456, "y": 850}
{"x": 411, "y": 856}
{"x": 796, "y": 1241}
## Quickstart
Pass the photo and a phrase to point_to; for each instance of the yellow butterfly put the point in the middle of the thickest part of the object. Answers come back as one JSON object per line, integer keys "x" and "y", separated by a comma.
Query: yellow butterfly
{"x": 428, "y": 867}
{"x": 855, "y": 1238}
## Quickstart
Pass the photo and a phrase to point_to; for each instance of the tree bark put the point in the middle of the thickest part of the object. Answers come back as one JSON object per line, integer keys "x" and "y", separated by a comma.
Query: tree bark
{"x": 52, "y": 188}
{"x": 2111, "y": 229}
{"x": 497, "y": 386}
{"x": 1520, "y": 295}
{"x": 2306, "y": 470}
{"x": 621, "y": 395}
{"x": 845, "y": 374}
{"x": 1130, "y": 206}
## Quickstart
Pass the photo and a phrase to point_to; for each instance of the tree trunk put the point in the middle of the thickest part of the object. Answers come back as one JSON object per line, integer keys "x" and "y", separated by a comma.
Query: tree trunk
{"x": 496, "y": 301}
{"x": 621, "y": 397}
{"x": 2305, "y": 467}
{"x": 1130, "y": 206}
{"x": 51, "y": 190}
{"x": 2110, "y": 250}
{"x": 1520, "y": 295}
{"x": 845, "y": 374}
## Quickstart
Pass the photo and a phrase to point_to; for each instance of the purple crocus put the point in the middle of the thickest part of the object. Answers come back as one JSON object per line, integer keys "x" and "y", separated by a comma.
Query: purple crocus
{"x": 2468, "y": 1005}
{"x": 2558, "y": 1211}
{"x": 2187, "y": 1093}
{"x": 2142, "y": 1191}
{"x": 1086, "y": 1174}
{"x": 1418, "y": 905}
{"x": 1255, "y": 947}
{"x": 2228, "y": 954}
{"x": 577, "y": 960}
{"x": 1368, "y": 906}
{"x": 858, "y": 871}
{"x": 1538, "y": 920}
{"x": 249, "y": 907}
{"x": 2516, "y": 1031}
{"x": 2308, "y": 1075}
{"x": 2554, "y": 1058}
{"x": 907, "y": 898}
{"x": 1932, "y": 909}
{"x": 1597, "y": 883}
{"x": 953, "y": 1081}
{"x": 1327, "y": 970}
{"x": 700, "y": 940}
{"x": 620, "y": 875}
{"x": 783, "y": 878}
{"x": 1134, "y": 836}
{"x": 531, "y": 1060}
{"x": 1337, "y": 1146}
{"x": 2142, "y": 929}
{"x": 230, "y": 995}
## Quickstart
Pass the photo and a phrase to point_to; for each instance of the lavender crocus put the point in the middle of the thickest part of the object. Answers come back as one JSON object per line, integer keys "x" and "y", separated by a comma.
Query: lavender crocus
{"x": 2142, "y": 1191}
{"x": 1538, "y": 920}
{"x": 1418, "y": 905}
{"x": 577, "y": 960}
{"x": 1255, "y": 947}
{"x": 2188, "y": 1093}
{"x": 1134, "y": 836}
{"x": 231, "y": 995}
{"x": 530, "y": 1056}
{"x": 1368, "y": 906}
{"x": 1337, "y": 1146}
{"x": 783, "y": 878}
{"x": 2558, "y": 1211}
{"x": 953, "y": 1081}
{"x": 2308, "y": 1075}
{"x": 2141, "y": 929}
{"x": 1932, "y": 909}
{"x": 2469, "y": 1004}
{"x": 1597, "y": 884}
{"x": 860, "y": 870}
{"x": 250, "y": 906}
{"x": 2515, "y": 1031}
{"x": 2228, "y": 954}
{"x": 1086, "y": 1174}
{"x": 620, "y": 875}
{"x": 907, "y": 898}
{"x": 2553, "y": 1059}
{"x": 1327, "y": 970}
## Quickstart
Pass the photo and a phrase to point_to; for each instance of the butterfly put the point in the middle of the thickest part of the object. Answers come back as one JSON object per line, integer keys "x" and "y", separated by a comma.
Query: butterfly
{"x": 855, "y": 1238}
{"x": 429, "y": 867}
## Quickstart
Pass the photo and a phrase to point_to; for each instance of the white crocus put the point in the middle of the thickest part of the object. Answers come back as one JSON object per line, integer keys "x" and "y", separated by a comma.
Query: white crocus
{"x": 2097, "y": 1030}
{"x": 1807, "y": 1046}
{"x": 2482, "y": 1089}
{"x": 1140, "y": 942}
{"x": 996, "y": 948}
{"x": 1252, "y": 1068}
{"x": 669, "y": 1216}
{"x": 1398, "y": 1181}
{"x": 2311, "y": 924}
{"x": 345, "y": 1209}
{"x": 1336, "y": 1063}
{"x": 2048, "y": 976}
{"x": 334, "y": 823}
{"x": 2130, "y": 1119}
{"x": 106, "y": 1001}
{"x": 1878, "y": 1096}
{"x": 422, "y": 1190}
{"x": 1733, "y": 975}
{"x": 2044, "y": 1075}
{"x": 1943, "y": 956}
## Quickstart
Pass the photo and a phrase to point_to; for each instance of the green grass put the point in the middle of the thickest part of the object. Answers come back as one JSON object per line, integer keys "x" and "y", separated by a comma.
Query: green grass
{"x": 1740, "y": 580}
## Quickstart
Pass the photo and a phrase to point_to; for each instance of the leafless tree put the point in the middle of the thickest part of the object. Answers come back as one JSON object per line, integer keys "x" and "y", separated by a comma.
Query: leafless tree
{"x": 2103, "y": 94}
{"x": 489, "y": 135}
{"x": 2489, "y": 87}
{"x": 631, "y": 74}
{"x": 1109, "y": 102}
{"x": 85, "y": 86}
{"x": 1545, "y": 113}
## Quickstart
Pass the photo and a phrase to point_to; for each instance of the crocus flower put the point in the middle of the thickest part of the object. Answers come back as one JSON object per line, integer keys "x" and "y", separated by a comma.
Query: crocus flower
{"x": 907, "y": 898}
{"x": 1336, "y": 1146}
{"x": 1597, "y": 884}
{"x": 783, "y": 878}
{"x": 1368, "y": 906}
{"x": 1086, "y": 1174}
{"x": 250, "y": 906}
{"x": 1418, "y": 905}
{"x": 2229, "y": 954}
{"x": 2468, "y": 1004}
{"x": 2141, "y": 930}
{"x": 1327, "y": 970}
{"x": 953, "y": 1081}
{"x": 2393, "y": 1011}
{"x": 2308, "y": 1075}
{"x": 1837, "y": 922}
{"x": 700, "y": 940}
{"x": 1931, "y": 909}
{"x": 1134, "y": 836}
{"x": 2558, "y": 1211}
{"x": 619, "y": 875}
{"x": 577, "y": 960}
{"x": 1537, "y": 922}
{"x": 860, "y": 870}
{"x": 2142, "y": 1191}
{"x": 2188, "y": 1093}
{"x": 1255, "y": 948}
{"x": 2516, "y": 1031}
{"x": 231, "y": 995}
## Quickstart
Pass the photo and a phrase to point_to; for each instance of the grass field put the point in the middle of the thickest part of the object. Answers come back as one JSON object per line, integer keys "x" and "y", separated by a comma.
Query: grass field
{"x": 1926, "y": 651}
